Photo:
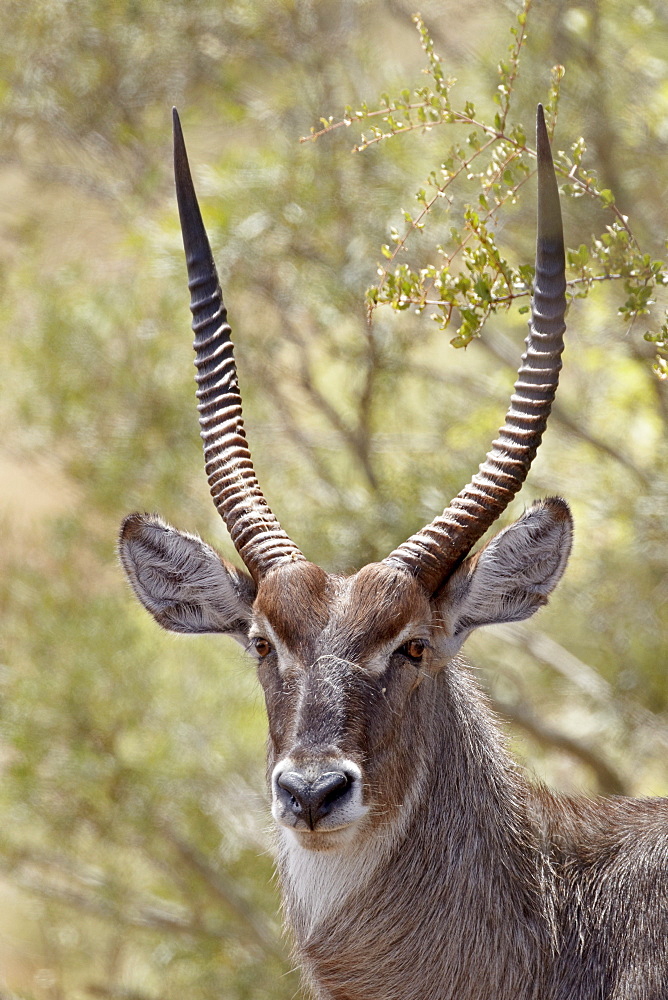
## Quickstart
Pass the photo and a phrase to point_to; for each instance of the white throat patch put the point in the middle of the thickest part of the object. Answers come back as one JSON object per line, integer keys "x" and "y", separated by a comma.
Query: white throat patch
{"x": 317, "y": 883}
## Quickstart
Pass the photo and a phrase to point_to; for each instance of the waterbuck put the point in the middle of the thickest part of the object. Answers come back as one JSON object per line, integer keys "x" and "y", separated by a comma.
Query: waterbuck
{"x": 416, "y": 861}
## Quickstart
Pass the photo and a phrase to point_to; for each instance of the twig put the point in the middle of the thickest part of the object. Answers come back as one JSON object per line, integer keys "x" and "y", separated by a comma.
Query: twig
{"x": 495, "y": 346}
{"x": 223, "y": 888}
{"x": 609, "y": 779}
{"x": 116, "y": 993}
{"x": 582, "y": 675}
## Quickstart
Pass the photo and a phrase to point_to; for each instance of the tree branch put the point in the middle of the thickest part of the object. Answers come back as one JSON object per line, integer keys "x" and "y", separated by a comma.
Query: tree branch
{"x": 582, "y": 675}
{"x": 115, "y": 992}
{"x": 501, "y": 351}
{"x": 223, "y": 888}
{"x": 610, "y": 781}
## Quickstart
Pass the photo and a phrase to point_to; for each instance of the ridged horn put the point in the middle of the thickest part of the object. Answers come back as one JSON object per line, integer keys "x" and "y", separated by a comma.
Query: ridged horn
{"x": 255, "y": 531}
{"x": 437, "y": 549}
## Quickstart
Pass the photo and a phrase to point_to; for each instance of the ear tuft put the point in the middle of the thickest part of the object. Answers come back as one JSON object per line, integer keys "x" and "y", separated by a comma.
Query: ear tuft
{"x": 182, "y": 581}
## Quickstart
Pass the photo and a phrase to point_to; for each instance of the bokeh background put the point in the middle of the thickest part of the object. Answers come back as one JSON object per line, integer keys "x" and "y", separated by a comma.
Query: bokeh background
{"x": 135, "y": 847}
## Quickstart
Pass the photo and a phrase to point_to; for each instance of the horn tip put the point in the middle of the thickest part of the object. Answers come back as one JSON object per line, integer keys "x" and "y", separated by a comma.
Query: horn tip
{"x": 550, "y": 233}
{"x": 179, "y": 144}
{"x": 176, "y": 125}
{"x": 542, "y": 139}
{"x": 184, "y": 186}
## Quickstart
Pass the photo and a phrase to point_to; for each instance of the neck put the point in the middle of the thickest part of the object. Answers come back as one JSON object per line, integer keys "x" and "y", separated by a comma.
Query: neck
{"x": 451, "y": 889}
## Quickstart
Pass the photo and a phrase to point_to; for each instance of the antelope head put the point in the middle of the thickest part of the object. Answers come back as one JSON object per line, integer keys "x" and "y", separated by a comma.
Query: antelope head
{"x": 348, "y": 664}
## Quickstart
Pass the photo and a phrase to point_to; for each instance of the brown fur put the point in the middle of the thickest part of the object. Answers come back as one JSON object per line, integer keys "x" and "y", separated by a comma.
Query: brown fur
{"x": 497, "y": 889}
{"x": 294, "y": 599}
{"x": 443, "y": 874}
{"x": 416, "y": 862}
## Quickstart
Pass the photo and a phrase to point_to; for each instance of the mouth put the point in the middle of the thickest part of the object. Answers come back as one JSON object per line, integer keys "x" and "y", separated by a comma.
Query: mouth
{"x": 321, "y": 841}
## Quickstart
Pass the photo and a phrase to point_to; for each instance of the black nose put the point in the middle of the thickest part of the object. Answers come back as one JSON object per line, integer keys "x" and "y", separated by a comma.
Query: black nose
{"x": 311, "y": 800}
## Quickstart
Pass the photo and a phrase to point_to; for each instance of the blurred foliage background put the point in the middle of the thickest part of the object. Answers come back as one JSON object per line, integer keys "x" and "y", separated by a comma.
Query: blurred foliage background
{"x": 135, "y": 853}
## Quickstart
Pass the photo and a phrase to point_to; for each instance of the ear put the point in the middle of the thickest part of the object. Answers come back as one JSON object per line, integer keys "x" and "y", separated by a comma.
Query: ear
{"x": 512, "y": 576}
{"x": 183, "y": 582}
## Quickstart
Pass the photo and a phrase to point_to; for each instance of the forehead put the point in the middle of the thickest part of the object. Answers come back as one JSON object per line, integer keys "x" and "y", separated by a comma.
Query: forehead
{"x": 307, "y": 607}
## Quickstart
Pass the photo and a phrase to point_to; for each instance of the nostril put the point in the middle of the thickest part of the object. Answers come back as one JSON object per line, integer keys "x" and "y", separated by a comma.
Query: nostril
{"x": 312, "y": 800}
{"x": 329, "y": 787}
{"x": 297, "y": 788}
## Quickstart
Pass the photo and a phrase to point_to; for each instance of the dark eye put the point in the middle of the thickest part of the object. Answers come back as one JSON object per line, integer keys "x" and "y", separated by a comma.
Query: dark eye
{"x": 413, "y": 649}
{"x": 262, "y": 647}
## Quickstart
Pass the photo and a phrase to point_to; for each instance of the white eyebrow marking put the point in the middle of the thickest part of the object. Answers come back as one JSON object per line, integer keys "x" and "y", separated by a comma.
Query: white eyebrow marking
{"x": 375, "y": 665}
{"x": 261, "y": 629}
{"x": 378, "y": 662}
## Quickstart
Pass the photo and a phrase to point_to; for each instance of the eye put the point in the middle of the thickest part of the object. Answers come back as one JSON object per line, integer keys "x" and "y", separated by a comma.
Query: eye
{"x": 262, "y": 647}
{"x": 413, "y": 649}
